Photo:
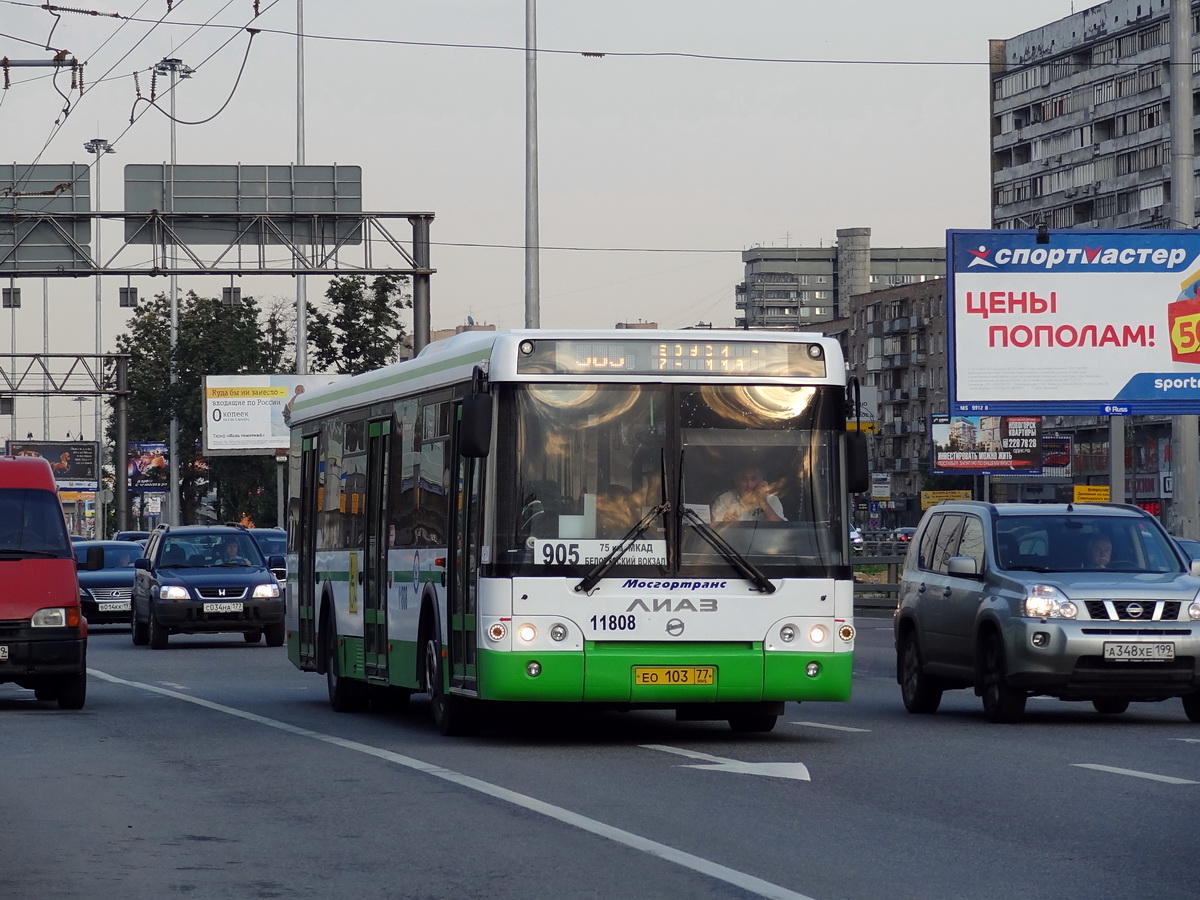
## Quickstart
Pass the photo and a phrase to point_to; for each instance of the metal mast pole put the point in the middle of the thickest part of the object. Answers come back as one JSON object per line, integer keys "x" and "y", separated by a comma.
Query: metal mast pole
{"x": 533, "y": 312}
{"x": 100, "y": 147}
{"x": 176, "y": 69}
{"x": 1185, "y": 433}
{"x": 301, "y": 280}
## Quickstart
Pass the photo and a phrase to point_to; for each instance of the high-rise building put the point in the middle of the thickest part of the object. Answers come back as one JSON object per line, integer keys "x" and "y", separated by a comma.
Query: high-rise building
{"x": 801, "y": 287}
{"x": 1080, "y": 120}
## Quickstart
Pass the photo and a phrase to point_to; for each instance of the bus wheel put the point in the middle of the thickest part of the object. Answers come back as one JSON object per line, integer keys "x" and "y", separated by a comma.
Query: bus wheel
{"x": 345, "y": 695}
{"x": 752, "y": 722}
{"x": 451, "y": 715}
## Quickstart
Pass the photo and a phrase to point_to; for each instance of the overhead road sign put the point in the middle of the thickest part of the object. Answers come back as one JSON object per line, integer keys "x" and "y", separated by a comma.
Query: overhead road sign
{"x": 253, "y": 204}
{"x": 1074, "y": 322}
{"x": 45, "y": 240}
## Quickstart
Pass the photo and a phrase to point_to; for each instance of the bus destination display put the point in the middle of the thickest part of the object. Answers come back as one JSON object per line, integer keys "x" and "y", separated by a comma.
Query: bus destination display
{"x": 632, "y": 357}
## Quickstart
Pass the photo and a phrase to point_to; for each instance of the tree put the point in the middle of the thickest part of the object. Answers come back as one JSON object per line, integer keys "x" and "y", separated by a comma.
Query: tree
{"x": 212, "y": 339}
{"x": 362, "y": 329}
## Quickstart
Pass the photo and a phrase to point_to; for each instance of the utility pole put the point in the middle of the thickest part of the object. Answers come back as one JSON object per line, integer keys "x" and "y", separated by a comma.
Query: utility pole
{"x": 100, "y": 147}
{"x": 533, "y": 311}
{"x": 1185, "y": 430}
{"x": 301, "y": 280}
{"x": 177, "y": 70}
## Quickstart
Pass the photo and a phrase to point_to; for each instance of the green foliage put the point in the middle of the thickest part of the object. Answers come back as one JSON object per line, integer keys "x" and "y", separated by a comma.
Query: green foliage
{"x": 361, "y": 330}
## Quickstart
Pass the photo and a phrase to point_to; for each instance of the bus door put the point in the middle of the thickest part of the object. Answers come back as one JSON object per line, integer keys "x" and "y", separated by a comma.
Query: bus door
{"x": 375, "y": 565}
{"x": 306, "y": 551}
{"x": 463, "y": 566}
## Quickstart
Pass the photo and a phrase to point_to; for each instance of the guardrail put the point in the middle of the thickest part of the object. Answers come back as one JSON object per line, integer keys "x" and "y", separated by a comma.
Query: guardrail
{"x": 872, "y": 594}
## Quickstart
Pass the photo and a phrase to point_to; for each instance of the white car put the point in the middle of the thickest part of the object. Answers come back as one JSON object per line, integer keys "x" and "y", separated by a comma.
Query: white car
{"x": 856, "y": 539}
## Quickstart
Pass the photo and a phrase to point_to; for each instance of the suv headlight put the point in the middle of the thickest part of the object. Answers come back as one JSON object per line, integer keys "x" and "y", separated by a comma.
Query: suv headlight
{"x": 266, "y": 591}
{"x": 1045, "y": 601}
{"x": 1193, "y": 609}
{"x": 173, "y": 592}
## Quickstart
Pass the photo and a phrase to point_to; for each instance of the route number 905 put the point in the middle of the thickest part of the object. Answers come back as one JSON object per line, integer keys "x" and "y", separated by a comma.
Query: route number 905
{"x": 560, "y": 554}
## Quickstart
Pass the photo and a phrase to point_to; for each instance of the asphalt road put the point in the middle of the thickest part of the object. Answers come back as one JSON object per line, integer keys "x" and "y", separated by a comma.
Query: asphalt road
{"x": 214, "y": 769}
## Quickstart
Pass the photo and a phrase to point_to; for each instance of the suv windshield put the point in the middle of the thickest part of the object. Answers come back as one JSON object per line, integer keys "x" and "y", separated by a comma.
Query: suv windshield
{"x": 199, "y": 550}
{"x": 1081, "y": 542}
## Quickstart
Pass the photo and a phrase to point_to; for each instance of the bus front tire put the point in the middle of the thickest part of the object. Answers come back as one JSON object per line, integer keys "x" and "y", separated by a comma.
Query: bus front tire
{"x": 452, "y": 715}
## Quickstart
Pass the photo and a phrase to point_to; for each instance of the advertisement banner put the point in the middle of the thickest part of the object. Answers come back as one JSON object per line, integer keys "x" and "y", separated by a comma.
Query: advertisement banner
{"x": 933, "y": 498}
{"x": 249, "y": 413}
{"x": 986, "y": 445}
{"x": 1074, "y": 322}
{"x": 74, "y": 462}
{"x": 148, "y": 466}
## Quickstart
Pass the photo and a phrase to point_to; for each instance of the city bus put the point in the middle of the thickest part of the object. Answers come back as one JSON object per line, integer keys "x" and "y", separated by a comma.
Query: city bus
{"x": 555, "y": 517}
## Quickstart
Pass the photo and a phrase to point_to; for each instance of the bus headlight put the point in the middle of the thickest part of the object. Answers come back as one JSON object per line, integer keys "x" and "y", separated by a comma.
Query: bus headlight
{"x": 496, "y": 631}
{"x": 526, "y": 632}
{"x": 817, "y": 634}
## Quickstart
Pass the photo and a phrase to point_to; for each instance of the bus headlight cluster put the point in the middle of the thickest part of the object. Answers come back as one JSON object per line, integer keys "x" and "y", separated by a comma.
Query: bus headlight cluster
{"x": 497, "y": 631}
{"x": 817, "y": 634}
{"x": 558, "y": 632}
{"x": 787, "y": 633}
{"x": 526, "y": 632}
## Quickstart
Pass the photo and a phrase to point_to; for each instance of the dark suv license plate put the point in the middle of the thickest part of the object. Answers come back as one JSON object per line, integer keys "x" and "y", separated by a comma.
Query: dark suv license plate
{"x": 1139, "y": 651}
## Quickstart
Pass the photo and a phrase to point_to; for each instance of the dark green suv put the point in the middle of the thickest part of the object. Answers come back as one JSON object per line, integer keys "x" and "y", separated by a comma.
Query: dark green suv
{"x": 206, "y": 579}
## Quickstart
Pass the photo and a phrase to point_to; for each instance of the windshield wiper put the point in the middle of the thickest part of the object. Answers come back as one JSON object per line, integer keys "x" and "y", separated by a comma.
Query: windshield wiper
{"x": 600, "y": 569}
{"x": 746, "y": 568}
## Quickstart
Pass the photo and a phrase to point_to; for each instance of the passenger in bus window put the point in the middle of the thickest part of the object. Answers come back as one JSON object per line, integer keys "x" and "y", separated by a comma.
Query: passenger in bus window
{"x": 750, "y": 499}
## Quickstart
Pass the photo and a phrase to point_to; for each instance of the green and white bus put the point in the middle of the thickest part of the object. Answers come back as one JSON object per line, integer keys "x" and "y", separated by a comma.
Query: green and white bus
{"x": 529, "y": 516}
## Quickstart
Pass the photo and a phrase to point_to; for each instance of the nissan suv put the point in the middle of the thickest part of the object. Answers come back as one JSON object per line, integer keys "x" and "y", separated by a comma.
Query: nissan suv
{"x": 205, "y": 579}
{"x": 1081, "y": 602}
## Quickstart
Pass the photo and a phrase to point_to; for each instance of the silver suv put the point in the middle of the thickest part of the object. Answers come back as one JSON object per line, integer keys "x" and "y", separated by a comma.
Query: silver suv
{"x": 1080, "y": 602}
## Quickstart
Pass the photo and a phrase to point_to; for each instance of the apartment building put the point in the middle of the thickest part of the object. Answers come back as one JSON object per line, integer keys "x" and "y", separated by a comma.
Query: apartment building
{"x": 802, "y": 287}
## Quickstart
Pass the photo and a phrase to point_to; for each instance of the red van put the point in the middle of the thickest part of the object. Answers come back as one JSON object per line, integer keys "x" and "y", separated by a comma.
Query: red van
{"x": 43, "y": 635}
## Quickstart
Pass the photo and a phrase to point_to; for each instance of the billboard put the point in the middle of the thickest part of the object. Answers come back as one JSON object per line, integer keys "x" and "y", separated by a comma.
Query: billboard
{"x": 985, "y": 445}
{"x": 1075, "y": 322}
{"x": 249, "y": 413}
{"x": 74, "y": 462}
{"x": 149, "y": 466}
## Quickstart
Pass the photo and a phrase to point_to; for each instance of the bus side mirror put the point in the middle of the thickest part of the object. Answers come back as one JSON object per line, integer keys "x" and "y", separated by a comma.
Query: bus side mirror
{"x": 858, "y": 475}
{"x": 475, "y": 426}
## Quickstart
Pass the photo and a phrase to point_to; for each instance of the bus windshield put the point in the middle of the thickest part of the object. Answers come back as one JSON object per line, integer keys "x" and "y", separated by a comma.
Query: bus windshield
{"x": 582, "y": 464}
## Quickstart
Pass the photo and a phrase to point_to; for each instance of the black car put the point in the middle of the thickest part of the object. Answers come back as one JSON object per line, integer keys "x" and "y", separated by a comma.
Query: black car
{"x": 206, "y": 579}
{"x": 105, "y": 593}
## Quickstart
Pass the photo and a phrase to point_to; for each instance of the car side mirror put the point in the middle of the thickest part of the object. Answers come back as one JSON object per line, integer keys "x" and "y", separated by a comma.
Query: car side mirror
{"x": 963, "y": 566}
{"x": 142, "y": 563}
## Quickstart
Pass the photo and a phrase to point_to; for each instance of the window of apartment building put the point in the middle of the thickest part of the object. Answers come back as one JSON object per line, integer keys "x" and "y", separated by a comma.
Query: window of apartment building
{"x": 1150, "y": 196}
{"x": 1104, "y": 91}
{"x": 1019, "y": 82}
{"x": 1104, "y": 53}
{"x": 1063, "y": 67}
{"x": 1154, "y": 36}
{"x": 1056, "y": 106}
{"x": 1106, "y": 206}
{"x": 1126, "y": 202}
{"x": 1126, "y": 162}
{"x": 1127, "y": 45}
{"x": 1150, "y": 117}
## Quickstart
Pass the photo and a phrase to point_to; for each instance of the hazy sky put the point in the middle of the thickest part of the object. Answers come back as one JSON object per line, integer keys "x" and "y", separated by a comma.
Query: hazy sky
{"x": 770, "y": 122}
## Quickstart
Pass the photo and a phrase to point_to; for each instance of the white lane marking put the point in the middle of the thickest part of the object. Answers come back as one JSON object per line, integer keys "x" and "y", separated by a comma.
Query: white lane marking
{"x": 1166, "y": 779}
{"x": 833, "y": 727}
{"x": 1186, "y": 740}
{"x": 697, "y": 864}
{"x": 795, "y": 771}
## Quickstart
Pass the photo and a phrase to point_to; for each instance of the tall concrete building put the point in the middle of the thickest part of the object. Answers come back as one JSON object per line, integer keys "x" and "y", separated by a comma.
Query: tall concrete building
{"x": 800, "y": 287}
{"x": 1080, "y": 120}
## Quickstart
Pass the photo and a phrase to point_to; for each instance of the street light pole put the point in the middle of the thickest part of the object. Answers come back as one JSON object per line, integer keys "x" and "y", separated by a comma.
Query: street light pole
{"x": 301, "y": 280}
{"x": 100, "y": 147}
{"x": 177, "y": 70}
{"x": 533, "y": 310}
